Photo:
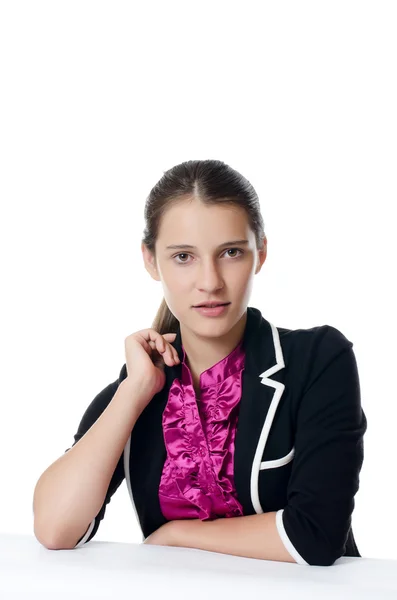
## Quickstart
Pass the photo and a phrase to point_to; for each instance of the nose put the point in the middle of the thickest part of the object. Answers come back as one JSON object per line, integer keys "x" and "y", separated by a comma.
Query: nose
{"x": 209, "y": 277}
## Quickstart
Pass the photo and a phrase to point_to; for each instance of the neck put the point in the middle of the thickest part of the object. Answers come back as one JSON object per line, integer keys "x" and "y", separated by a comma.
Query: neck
{"x": 203, "y": 353}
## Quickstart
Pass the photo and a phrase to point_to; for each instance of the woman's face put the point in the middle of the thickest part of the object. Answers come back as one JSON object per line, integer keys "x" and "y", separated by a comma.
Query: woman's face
{"x": 213, "y": 270}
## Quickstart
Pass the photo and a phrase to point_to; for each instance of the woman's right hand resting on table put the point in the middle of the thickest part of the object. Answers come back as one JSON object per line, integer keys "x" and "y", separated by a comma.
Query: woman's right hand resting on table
{"x": 147, "y": 352}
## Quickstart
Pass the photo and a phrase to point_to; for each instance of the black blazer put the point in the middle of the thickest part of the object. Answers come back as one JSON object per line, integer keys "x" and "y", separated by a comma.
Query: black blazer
{"x": 298, "y": 447}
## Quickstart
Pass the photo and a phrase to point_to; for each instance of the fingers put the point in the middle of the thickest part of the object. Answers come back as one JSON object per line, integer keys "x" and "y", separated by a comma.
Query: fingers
{"x": 168, "y": 352}
{"x": 165, "y": 349}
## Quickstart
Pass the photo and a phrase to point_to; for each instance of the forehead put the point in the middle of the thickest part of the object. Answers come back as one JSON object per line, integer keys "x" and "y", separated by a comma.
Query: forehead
{"x": 193, "y": 222}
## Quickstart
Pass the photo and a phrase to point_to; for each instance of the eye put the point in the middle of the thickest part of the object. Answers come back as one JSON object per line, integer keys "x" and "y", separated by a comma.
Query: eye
{"x": 186, "y": 254}
{"x": 238, "y": 250}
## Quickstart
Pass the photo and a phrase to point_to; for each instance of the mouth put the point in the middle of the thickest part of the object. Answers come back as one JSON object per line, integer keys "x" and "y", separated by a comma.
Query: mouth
{"x": 211, "y": 304}
{"x": 205, "y": 310}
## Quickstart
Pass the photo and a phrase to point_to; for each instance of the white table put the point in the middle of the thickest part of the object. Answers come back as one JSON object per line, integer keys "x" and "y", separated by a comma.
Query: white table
{"x": 119, "y": 570}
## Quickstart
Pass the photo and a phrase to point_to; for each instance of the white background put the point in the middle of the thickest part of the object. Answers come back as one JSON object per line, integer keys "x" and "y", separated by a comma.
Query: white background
{"x": 98, "y": 99}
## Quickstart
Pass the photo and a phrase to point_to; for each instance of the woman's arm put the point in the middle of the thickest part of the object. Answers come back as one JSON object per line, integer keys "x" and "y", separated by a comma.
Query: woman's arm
{"x": 72, "y": 490}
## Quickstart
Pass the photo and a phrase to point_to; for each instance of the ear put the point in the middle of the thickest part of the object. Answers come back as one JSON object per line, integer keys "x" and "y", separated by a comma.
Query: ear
{"x": 150, "y": 262}
{"x": 261, "y": 256}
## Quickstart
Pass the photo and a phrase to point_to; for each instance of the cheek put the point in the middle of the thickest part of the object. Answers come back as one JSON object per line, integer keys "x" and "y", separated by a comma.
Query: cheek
{"x": 172, "y": 278}
{"x": 245, "y": 285}
{"x": 244, "y": 275}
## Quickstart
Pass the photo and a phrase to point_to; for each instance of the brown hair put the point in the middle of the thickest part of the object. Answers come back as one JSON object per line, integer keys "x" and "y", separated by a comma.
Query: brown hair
{"x": 210, "y": 181}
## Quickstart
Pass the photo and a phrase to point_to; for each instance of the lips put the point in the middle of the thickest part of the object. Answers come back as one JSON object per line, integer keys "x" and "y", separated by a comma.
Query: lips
{"x": 212, "y": 304}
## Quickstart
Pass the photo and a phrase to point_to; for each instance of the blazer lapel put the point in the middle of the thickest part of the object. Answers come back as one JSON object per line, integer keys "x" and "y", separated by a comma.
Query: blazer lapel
{"x": 259, "y": 401}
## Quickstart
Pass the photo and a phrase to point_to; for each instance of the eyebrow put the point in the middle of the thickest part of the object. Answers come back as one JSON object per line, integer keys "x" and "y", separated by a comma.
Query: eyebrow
{"x": 232, "y": 243}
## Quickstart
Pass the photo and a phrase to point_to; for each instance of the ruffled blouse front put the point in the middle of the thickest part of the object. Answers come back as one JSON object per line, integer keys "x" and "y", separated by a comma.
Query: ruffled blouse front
{"x": 197, "y": 480}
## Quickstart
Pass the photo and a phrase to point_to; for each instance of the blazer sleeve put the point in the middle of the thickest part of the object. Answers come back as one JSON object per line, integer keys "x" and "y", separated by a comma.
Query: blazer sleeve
{"x": 91, "y": 414}
{"x": 329, "y": 453}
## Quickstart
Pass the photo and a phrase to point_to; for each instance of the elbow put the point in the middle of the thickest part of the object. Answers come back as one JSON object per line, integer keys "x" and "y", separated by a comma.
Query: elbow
{"x": 324, "y": 559}
{"x": 52, "y": 542}
{"x": 330, "y": 553}
{"x": 306, "y": 543}
{"x": 47, "y": 541}
{"x": 326, "y": 553}
{"x": 44, "y": 537}
{"x": 319, "y": 558}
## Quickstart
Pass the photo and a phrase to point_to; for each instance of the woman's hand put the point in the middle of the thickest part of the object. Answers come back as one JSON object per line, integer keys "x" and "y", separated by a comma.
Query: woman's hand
{"x": 185, "y": 533}
{"x": 147, "y": 352}
{"x": 163, "y": 536}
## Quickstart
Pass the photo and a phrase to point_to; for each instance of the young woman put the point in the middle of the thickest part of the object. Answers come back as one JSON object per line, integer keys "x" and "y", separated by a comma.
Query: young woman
{"x": 233, "y": 435}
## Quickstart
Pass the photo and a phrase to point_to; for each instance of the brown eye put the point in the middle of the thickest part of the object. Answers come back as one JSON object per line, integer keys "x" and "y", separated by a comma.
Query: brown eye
{"x": 181, "y": 254}
{"x": 234, "y": 249}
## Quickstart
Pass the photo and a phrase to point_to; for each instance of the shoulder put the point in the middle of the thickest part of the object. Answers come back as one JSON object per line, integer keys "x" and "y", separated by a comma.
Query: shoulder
{"x": 308, "y": 352}
{"x": 323, "y": 340}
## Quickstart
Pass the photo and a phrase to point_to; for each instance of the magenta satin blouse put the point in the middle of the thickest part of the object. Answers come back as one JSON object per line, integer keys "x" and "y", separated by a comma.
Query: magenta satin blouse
{"x": 197, "y": 479}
